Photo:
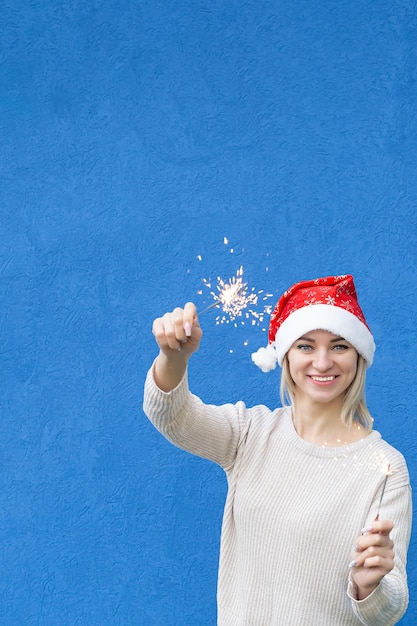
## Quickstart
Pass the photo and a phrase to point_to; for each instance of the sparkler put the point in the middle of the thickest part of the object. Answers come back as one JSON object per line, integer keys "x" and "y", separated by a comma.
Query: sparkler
{"x": 387, "y": 473}
{"x": 211, "y": 306}
{"x": 235, "y": 299}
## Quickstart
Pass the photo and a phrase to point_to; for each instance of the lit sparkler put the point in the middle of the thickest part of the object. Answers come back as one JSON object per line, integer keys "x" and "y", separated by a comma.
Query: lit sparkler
{"x": 236, "y": 299}
{"x": 387, "y": 473}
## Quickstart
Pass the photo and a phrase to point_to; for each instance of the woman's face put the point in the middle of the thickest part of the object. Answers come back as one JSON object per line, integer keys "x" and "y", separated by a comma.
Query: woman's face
{"x": 322, "y": 366}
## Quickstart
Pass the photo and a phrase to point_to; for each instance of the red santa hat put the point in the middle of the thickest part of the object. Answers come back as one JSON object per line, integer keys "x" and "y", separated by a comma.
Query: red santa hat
{"x": 328, "y": 303}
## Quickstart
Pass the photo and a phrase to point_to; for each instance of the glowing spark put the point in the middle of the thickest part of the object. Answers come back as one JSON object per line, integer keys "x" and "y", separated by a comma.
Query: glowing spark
{"x": 199, "y": 257}
{"x": 225, "y": 241}
{"x": 379, "y": 461}
{"x": 236, "y": 300}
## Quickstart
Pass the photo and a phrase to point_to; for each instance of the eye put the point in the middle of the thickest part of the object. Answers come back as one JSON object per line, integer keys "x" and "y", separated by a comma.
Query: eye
{"x": 304, "y": 346}
{"x": 340, "y": 347}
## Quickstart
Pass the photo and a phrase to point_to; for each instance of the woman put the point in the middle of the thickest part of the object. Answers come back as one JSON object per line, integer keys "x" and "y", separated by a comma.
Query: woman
{"x": 306, "y": 538}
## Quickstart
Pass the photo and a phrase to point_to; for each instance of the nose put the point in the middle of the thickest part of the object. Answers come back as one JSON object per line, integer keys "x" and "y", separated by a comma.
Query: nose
{"x": 322, "y": 360}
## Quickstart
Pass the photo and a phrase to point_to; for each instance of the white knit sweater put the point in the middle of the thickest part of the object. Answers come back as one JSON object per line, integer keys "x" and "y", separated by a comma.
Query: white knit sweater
{"x": 292, "y": 514}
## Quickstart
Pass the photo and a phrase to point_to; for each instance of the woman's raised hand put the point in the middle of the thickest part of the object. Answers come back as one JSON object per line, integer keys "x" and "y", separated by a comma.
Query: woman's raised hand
{"x": 178, "y": 335}
{"x": 178, "y": 330}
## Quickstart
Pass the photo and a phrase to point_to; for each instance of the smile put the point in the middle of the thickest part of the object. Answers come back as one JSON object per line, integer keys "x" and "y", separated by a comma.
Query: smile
{"x": 323, "y": 379}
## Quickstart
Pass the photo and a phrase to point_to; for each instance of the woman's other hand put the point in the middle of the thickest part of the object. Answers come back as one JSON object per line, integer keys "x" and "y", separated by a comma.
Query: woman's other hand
{"x": 373, "y": 557}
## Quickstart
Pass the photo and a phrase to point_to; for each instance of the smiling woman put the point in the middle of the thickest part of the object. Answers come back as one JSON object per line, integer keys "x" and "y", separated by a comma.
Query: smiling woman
{"x": 335, "y": 353}
{"x": 322, "y": 367}
{"x": 306, "y": 470}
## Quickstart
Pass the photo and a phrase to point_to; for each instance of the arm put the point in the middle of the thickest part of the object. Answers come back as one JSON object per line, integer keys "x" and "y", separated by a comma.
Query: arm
{"x": 212, "y": 432}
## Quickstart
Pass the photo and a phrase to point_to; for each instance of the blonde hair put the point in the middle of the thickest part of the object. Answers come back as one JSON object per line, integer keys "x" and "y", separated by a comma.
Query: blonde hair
{"x": 354, "y": 407}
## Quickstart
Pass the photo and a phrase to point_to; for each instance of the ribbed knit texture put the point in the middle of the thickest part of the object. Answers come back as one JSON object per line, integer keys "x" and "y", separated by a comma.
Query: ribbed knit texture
{"x": 292, "y": 514}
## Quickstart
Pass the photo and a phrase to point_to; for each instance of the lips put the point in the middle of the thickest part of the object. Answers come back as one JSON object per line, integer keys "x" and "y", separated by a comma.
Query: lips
{"x": 323, "y": 379}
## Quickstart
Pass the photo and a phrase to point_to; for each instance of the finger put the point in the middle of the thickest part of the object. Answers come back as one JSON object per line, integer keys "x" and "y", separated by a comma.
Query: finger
{"x": 179, "y": 331}
{"x": 158, "y": 330}
{"x": 173, "y": 328}
{"x": 379, "y": 561}
{"x": 164, "y": 331}
{"x": 383, "y": 527}
{"x": 190, "y": 317}
{"x": 374, "y": 539}
{"x": 371, "y": 557}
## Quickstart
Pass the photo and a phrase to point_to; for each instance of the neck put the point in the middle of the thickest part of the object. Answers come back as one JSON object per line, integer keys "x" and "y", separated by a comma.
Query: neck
{"x": 321, "y": 424}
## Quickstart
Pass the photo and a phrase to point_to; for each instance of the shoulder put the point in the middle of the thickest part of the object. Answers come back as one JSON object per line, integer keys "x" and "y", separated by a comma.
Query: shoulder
{"x": 260, "y": 412}
{"x": 260, "y": 419}
{"x": 389, "y": 460}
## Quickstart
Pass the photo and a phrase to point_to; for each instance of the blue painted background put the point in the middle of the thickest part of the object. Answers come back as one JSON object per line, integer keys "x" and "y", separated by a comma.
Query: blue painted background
{"x": 135, "y": 136}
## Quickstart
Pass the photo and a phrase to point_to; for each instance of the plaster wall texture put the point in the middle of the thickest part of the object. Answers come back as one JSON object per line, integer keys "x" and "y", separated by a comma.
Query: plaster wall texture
{"x": 135, "y": 137}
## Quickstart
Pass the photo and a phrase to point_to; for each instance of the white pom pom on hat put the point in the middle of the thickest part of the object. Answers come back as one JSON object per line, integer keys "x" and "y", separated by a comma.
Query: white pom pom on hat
{"x": 265, "y": 358}
{"x": 329, "y": 303}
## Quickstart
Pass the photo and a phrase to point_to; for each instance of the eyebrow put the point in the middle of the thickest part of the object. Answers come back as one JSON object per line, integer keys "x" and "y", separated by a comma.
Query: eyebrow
{"x": 305, "y": 338}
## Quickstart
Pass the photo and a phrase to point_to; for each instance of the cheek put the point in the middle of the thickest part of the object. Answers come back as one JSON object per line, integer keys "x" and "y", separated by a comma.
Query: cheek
{"x": 294, "y": 367}
{"x": 292, "y": 363}
{"x": 353, "y": 368}
{"x": 291, "y": 372}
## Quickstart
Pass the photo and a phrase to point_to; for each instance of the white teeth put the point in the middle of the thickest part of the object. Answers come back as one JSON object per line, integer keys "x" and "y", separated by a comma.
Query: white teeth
{"x": 323, "y": 379}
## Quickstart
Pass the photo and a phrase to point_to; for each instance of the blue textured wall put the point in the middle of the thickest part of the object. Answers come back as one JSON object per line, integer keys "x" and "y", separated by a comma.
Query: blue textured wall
{"x": 135, "y": 136}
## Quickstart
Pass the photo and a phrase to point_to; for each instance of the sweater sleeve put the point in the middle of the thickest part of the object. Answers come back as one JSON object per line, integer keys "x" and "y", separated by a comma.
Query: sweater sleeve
{"x": 388, "y": 602}
{"x": 209, "y": 431}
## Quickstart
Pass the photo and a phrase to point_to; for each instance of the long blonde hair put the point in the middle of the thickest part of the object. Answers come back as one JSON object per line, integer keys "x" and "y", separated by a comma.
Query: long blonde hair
{"x": 354, "y": 407}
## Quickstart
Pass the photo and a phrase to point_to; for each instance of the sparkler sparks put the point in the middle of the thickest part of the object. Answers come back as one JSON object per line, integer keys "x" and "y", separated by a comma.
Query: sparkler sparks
{"x": 237, "y": 300}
